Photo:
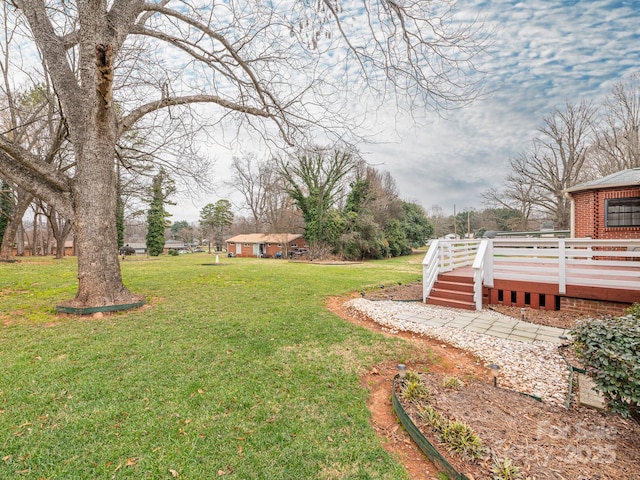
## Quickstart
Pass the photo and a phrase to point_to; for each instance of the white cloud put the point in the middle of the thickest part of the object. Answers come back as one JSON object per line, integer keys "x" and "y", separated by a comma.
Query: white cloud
{"x": 544, "y": 53}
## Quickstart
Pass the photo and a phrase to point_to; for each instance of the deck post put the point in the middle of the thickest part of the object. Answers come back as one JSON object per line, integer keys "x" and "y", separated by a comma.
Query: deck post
{"x": 488, "y": 268}
{"x": 562, "y": 266}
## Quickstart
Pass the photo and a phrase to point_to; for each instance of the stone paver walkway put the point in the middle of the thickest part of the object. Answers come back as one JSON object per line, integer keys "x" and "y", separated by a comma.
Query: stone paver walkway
{"x": 481, "y": 322}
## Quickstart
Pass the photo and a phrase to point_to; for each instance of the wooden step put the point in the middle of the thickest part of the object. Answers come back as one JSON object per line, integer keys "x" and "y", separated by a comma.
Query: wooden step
{"x": 454, "y": 286}
{"x": 446, "y": 293}
{"x": 455, "y": 277}
{"x": 444, "y": 302}
{"x": 453, "y": 290}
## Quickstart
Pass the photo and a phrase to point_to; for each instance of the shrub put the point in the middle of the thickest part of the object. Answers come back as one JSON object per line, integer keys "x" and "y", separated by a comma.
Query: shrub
{"x": 460, "y": 438}
{"x": 412, "y": 376}
{"x": 610, "y": 349}
{"x": 453, "y": 383}
{"x": 433, "y": 418}
{"x": 415, "y": 391}
{"x": 503, "y": 469}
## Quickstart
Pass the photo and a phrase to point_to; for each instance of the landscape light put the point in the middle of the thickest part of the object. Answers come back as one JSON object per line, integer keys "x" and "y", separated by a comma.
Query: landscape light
{"x": 495, "y": 370}
{"x": 402, "y": 371}
{"x": 522, "y": 312}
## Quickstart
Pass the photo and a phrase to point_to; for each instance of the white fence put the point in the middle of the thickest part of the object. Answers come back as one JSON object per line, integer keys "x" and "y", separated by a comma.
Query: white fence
{"x": 553, "y": 260}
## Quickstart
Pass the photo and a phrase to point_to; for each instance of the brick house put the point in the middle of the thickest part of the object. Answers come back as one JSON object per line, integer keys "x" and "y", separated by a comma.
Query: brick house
{"x": 607, "y": 208}
{"x": 264, "y": 245}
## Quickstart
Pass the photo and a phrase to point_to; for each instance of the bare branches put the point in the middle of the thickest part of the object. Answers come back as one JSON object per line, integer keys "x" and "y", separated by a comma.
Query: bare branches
{"x": 128, "y": 121}
{"x": 554, "y": 162}
{"x": 618, "y": 143}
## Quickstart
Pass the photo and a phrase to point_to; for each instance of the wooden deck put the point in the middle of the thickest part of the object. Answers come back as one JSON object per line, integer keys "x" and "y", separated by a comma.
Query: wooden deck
{"x": 547, "y": 274}
{"x": 591, "y": 287}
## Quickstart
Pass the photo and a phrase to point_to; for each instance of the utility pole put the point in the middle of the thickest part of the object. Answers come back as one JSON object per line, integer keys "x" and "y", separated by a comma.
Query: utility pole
{"x": 455, "y": 222}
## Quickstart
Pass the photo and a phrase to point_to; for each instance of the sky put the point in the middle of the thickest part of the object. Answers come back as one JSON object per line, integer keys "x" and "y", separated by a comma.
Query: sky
{"x": 544, "y": 53}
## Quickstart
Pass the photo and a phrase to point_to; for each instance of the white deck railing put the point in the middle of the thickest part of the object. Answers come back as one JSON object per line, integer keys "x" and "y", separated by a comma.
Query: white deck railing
{"x": 553, "y": 260}
{"x": 445, "y": 256}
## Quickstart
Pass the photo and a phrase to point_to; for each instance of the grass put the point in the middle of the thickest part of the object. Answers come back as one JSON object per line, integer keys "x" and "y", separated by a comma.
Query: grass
{"x": 233, "y": 371}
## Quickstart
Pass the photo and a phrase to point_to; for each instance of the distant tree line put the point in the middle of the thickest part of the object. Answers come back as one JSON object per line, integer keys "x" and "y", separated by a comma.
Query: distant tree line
{"x": 342, "y": 205}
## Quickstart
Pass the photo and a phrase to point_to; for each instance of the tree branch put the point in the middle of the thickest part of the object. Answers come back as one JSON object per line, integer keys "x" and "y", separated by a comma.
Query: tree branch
{"x": 25, "y": 161}
{"x": 129, "y": 120}
{"x": 22, "y": 175}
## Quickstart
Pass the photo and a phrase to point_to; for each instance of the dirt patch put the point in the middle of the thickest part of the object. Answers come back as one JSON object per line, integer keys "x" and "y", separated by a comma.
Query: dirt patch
{"x": 546, "y": 442}
{"x": 378, "y": 381}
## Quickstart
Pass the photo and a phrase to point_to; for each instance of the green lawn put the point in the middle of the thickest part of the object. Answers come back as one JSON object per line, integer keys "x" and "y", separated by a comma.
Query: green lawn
{"x": 232, "y": 371}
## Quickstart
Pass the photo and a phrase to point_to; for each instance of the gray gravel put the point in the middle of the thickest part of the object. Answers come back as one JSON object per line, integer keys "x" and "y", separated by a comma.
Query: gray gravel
{"x": 533, "y": 368}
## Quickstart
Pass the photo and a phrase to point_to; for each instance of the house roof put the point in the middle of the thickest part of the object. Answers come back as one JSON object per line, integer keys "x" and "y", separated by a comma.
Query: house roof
{"x": 623, "y": 178}
{"x": 265, "y": 238}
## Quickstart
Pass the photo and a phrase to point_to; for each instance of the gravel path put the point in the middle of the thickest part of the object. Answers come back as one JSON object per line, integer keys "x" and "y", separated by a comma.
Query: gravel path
{"x": 533, "y": 368}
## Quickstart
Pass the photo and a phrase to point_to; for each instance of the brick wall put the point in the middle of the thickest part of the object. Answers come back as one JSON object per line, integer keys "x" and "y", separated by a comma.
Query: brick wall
{"x": 590, "y": 214}
{"x": 586, "y": 214}
{"x": 591, "y": 307}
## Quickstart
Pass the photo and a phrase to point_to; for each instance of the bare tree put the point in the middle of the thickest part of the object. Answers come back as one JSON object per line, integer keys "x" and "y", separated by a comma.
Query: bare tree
{"x": 257, "y": 63}
{"x": 442, "y": 223}
{"x": 618, "y": 143}
{"x": 264, "y": 192}
{"x": 59, "y": 225}
{"x": 381, "y": 194}
{"x": 30, "y": 119}
{"x": 253, "y": 179}
{"x": 518, "y": 194}
{"x": 555, "y": 162}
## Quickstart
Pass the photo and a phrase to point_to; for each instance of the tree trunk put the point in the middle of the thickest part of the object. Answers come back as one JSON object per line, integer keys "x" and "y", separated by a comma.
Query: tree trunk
{"x": 34, "y": 236}
{"x": 94, "y": 190}
{"x": 95, "y": 197}
{"x": 13, "y": 227}
{"x": 20, "y": 240}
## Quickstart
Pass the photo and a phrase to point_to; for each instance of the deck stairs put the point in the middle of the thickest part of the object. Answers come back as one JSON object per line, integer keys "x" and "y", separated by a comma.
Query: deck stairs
{"x": 453, "y": 289}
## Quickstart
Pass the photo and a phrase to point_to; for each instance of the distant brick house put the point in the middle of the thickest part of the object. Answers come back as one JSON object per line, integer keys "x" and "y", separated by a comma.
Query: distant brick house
{"x": 264, "y": 245}
{"x": 607, "y": 208}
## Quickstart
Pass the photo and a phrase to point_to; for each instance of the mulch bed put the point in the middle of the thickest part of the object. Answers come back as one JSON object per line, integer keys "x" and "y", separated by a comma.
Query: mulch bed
{"x": 544, "y": 441}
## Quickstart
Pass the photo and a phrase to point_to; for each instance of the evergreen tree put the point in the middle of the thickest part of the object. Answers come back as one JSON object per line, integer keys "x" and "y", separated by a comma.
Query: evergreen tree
{"x": 216, "y": 218}
{"x": 162, "y": 188}
{"x": 415, "y": 224}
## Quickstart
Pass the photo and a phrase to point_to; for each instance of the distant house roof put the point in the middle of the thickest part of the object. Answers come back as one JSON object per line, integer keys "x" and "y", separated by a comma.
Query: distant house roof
{"x": 265, "y": 238}
{"x": 623, "y": 178}
{"x": 174, "y": 243}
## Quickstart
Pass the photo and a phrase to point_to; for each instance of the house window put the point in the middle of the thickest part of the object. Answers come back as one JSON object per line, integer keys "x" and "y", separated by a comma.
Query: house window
{"x": 623, "y": 212}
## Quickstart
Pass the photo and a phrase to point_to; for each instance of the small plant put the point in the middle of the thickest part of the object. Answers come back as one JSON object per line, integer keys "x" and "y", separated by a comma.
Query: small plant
{"x": 415, "y": 391}
{"x": 433, "y": 418}
{"x": 452, "y": 382}
{"x": 460, "y": 438}
{"x": 412, "y": 376}
{"x": 442, "y": 476}
{"x": 633, "y": 310}
{"x": 503, "y": 469}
